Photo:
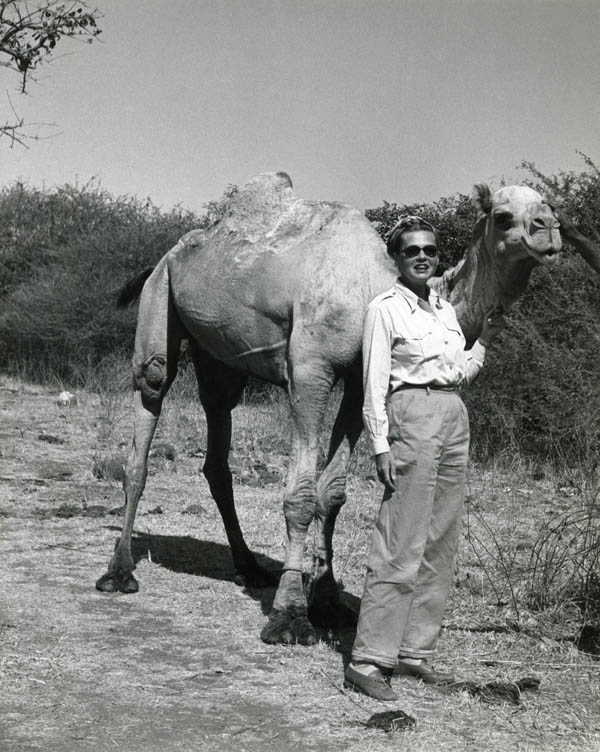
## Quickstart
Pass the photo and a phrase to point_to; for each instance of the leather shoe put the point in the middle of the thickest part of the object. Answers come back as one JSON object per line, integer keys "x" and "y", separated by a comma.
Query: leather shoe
{"x": 424, "y": 672}
{"x": 375, "y": 684}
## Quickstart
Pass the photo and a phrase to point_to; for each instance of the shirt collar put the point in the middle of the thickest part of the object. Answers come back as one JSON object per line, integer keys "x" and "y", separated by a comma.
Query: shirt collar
{"x": 413, "y": 299}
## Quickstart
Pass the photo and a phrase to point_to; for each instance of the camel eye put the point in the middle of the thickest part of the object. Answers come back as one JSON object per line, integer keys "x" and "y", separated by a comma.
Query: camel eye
{"x": 503, "y": 218}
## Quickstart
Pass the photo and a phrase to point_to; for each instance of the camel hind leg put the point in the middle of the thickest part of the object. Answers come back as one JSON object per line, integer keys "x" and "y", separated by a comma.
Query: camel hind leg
{"x": 157, "y": 341}
{"x": 220, "y": 389}
{"x": 325, "y": 607}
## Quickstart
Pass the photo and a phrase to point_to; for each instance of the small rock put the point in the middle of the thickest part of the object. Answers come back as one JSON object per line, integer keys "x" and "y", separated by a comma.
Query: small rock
{"x": 156, "y": 510}
{"x": 195, "y": 451}
{"x": 67, "y": 510}
{"x": 251, "y": 480}
{"x": 194, "y": 509}
{"x": 66, "y": 399}
{"x": 528, "y": 682}
{"x": 50, "y": 439}
{"x": 108, "y": 468}
{"x": 94, "y": 510}
{"x": 53, "y": 470}
{"x": 164, "y": 450}
{"x": 391, "y": 720}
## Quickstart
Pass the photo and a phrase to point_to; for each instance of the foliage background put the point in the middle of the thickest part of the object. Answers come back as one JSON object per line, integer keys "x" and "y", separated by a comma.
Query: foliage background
{"x": 65, "y": 252}
{"x": 538, "y": 393}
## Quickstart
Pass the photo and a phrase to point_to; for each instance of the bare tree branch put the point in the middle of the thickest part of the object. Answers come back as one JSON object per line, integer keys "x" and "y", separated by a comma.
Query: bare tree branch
{"x": 29, "y": 33}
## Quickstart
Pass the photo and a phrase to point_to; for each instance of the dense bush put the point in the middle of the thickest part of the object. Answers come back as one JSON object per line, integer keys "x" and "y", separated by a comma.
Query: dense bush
{"x": 63, "y": 255}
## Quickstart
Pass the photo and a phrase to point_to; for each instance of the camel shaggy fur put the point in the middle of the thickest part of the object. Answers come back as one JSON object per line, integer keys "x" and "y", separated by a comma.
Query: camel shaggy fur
{"x": 277, "y": 289}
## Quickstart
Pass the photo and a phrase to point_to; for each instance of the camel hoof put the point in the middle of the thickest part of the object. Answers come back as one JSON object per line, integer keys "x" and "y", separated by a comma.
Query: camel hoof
{"x": 113, "y": 582}
{"x": 332, "y": 614}
{"x": 289, "y": 627}
{"x": 255, "y": 577}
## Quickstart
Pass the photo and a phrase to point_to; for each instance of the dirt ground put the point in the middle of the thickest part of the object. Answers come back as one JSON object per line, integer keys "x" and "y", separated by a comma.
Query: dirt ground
{"x": 180, "y": 665}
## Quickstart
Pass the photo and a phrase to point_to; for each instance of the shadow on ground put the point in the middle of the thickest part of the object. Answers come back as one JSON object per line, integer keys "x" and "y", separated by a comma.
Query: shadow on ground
{"x": 182, "y": 553}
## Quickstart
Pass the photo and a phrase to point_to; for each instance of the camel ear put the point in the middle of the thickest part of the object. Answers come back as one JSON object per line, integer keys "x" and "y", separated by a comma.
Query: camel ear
{"x": 482, "y": 197}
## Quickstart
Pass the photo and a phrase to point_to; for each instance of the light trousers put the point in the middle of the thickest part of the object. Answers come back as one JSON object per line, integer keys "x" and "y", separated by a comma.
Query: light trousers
{"x": 411, "y": 563}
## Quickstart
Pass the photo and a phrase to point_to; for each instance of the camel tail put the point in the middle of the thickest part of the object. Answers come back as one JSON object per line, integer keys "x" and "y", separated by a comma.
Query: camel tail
{"x": 132, "y": 290}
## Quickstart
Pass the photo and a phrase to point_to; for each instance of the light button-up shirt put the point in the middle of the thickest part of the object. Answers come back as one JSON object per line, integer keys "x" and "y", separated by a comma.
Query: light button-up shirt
{"x": 407, "y": 341}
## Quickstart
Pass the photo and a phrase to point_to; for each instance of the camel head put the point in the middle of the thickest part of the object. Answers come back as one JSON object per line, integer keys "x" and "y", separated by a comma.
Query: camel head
{"x": 516, "y": 231}
{"x": 517, "y": 224}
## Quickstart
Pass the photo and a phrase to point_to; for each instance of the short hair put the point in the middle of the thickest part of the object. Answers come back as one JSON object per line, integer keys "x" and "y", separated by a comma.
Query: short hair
{"x": 408, "y": 224}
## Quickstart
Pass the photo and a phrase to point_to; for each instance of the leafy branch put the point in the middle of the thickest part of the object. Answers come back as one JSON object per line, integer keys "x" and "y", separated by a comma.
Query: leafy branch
{"x": 29, "y": 34}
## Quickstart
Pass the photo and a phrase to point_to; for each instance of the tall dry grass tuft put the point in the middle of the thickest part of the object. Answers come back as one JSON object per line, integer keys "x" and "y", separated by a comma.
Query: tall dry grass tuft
{"x": 565, "y": 564}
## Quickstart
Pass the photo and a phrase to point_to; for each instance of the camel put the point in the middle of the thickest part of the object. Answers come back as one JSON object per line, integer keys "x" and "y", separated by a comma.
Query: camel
{"x": 277, "y": 289}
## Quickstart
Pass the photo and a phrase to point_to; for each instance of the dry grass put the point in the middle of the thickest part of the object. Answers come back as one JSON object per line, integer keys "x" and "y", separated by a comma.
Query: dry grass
{"x": 180, "y": 665}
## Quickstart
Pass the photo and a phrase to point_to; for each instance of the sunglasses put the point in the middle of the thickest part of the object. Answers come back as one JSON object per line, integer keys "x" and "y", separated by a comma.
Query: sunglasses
{"x": 414, "y": 250}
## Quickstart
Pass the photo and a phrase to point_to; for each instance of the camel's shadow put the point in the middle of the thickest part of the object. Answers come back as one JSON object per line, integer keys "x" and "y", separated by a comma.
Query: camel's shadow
{"x": 203, "y": 558}
{"x": 182, "y": 553}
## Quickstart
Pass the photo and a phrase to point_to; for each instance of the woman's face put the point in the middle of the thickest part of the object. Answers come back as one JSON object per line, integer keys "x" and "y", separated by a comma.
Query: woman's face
{"x": 413, "y": 259}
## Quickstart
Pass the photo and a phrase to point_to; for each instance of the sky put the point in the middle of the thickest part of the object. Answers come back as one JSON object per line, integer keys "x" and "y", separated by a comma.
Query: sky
{"x": 360, "y": 101}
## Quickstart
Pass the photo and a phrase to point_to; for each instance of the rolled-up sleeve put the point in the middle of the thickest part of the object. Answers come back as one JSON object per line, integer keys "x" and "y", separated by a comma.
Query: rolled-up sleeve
{"x": 377, "y": 347}
{"x": 474, "y": 361}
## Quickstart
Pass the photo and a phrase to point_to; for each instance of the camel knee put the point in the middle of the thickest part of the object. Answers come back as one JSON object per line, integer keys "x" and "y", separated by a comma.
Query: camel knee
{"x": 135, "y": 480}
{"x": 300, "y": 504}
{"x": 331, "y": 494}
{"x": 217, "y": 473}
{"x": 152, "y": 379}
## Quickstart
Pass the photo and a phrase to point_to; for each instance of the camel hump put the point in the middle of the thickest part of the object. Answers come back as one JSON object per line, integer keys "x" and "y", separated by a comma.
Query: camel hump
{"x": 270, "y": 180}
{"x": 265, "y": 217}
{"x": 262, "y": 198}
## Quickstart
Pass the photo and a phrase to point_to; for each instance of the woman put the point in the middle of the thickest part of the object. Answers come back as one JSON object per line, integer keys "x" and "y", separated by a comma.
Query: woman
{"x": 414, "y": 359}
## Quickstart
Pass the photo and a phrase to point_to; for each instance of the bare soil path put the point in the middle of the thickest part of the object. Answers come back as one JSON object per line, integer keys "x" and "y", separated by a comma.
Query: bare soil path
{"x": 180, "y": 666}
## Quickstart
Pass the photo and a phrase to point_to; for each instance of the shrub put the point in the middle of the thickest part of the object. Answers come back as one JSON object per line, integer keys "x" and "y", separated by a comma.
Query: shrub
{"x": 64, "y": 254}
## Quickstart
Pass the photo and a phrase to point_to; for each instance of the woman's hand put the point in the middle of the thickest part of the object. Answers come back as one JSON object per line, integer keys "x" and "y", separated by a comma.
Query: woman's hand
{"x": 385, "y": 469}
{"x": 567, "y": 228}
{"x": 493, "y": 323}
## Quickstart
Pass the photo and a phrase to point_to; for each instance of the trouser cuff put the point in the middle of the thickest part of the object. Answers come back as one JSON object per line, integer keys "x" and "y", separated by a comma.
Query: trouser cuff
{"x": 414, "y": 653}
{"x": 379, "y": 660}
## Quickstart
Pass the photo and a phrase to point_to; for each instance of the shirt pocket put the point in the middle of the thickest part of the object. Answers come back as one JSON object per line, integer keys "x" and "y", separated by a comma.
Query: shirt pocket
{"x": 453, "y": 333}
{"x": 413, "y": 347}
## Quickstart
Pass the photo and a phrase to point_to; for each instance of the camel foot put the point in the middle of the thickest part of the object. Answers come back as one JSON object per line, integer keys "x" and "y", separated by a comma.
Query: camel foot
{"x": 254, "y": 576}
{"x": 331, "y": 613}
{"x": 288, "y": 627}
{"x": 117, "y": 582}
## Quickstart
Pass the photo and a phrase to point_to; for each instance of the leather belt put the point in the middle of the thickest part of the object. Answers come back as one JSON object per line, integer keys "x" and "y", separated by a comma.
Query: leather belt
{"x": 432, "y": 387}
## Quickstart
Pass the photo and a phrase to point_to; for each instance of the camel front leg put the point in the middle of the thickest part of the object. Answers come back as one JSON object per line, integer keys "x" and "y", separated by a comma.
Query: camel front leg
{"x": 119, "y": 577}
{"x": 248, "y": 571}
{"x": 220, "y": 389}
{"x": 325, "y": 607}
{"x": 288, "y": 621}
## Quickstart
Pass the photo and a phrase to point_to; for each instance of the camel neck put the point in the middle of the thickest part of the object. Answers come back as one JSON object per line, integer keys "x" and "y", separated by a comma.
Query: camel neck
{"x": 478, "y": 282}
